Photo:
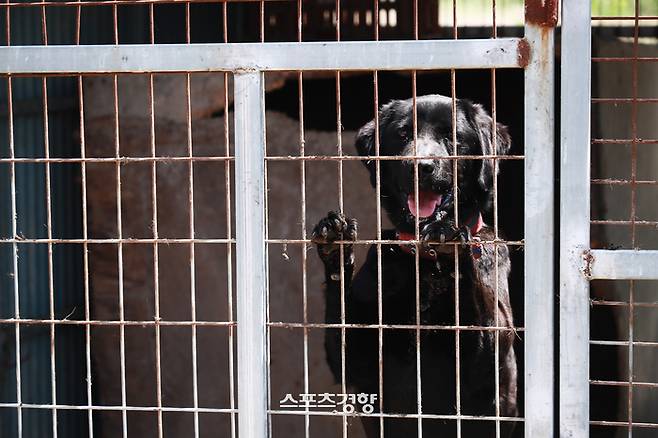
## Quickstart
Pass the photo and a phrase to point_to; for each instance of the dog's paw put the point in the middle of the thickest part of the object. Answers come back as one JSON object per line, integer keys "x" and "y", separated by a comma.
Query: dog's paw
{"x": 444, "y": 231}
{"x": 335, "y": 226}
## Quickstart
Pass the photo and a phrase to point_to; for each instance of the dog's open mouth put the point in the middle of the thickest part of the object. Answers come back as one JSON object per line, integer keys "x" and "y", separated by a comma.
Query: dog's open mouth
{"x": 427, "y": 203}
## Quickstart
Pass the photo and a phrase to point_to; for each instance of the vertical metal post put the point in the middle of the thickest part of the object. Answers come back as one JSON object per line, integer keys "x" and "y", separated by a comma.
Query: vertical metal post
{"x": 575, "y": 218}
{"x": 251, "y": 281}
{"x": 539, "y": 195}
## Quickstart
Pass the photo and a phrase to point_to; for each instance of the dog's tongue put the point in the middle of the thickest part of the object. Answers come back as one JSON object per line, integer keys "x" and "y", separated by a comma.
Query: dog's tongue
{"x": 427, "y": 202}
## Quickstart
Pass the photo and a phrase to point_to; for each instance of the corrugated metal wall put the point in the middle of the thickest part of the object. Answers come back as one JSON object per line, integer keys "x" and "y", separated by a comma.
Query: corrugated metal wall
{"x": 31, "y": 223}
{"x": 63, "y": 124}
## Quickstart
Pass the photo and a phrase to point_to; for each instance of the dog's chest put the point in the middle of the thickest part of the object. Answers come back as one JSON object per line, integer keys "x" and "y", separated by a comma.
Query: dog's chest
{"x": 437, "y": 283}
{"x": 435, "y": 289}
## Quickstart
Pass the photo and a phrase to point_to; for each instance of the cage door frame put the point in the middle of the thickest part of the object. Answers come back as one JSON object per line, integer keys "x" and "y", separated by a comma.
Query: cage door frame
{"x": 247, "y": 62}
{"x": 578, "y": 262}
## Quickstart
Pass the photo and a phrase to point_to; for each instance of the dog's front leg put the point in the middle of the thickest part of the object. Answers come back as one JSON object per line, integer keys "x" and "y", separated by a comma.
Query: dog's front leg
{"x": 327, "y": 234}
{"x": 434, "y": 235}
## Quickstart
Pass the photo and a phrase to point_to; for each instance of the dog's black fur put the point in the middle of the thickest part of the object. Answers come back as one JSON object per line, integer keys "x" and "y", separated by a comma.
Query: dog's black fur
{"x": 476, "y": 276}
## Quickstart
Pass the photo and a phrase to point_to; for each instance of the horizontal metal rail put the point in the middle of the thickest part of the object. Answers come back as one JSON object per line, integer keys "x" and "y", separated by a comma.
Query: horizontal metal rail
{"x": 366, "y": 55}
{"x": 622, "y": 264}
{"x": 185, "y": 159}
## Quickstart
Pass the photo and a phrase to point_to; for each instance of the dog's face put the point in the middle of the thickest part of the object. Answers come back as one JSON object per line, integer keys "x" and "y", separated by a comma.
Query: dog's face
{"x": 435, "y": 173}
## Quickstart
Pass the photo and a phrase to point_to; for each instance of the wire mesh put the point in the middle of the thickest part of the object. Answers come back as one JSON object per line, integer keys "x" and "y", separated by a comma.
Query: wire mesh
{"x": 293, "y": 328}
{"x": 622, "y": 217}
{"x": 148, "y": 201}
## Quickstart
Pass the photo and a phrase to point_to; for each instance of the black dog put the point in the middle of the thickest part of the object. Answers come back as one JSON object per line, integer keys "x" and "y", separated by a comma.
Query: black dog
{"x": 440, "y": 236}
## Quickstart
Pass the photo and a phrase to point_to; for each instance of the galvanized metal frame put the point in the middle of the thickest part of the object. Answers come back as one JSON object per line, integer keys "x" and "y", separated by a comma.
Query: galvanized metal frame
{"x": 574, "y": 218}
{"x": 352, "y": 55}
{"x": 248, "y": 62}
{"x": 578, "y": 263}
{"x": 251, "y": 253}
{"x": 538, "y": 231}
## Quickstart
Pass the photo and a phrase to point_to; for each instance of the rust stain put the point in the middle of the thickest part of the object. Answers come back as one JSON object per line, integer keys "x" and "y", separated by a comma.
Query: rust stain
{"x": 542, "y": 12}
{"x": 523, "y": 53}
{"x": 589, "y": 259}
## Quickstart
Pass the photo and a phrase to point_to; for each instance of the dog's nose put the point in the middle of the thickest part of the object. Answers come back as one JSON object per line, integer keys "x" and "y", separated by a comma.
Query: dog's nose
{"x": 425, "y": 167}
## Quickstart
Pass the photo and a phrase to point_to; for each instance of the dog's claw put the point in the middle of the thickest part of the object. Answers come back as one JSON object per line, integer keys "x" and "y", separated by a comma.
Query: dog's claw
{"x": 335, "y": 226}
{"x": 444, "y": 231}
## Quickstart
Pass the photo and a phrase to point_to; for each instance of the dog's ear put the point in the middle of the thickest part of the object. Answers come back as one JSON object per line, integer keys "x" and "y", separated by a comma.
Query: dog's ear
{"x": 490, "y": 144}
{"x": 365, "y": 138}
{"x": 365, "y": 145}
{"x": 498, "y": 144}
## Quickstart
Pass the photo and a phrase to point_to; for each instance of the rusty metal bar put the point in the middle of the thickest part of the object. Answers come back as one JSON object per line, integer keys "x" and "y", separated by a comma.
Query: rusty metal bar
{"x": 494, "y": 141}
{"x": 380, "y": 273}
{"x": 85, "y": 236}
{"x": 145, "y": 323}
{"x": 633, "y": 424}
{"x": 24, "y": 240}
{"x": 14, "y": 251}
{"x": 625, "y": 343}
{"x": 114, "y": 408}
{"x": 617, "y": 383}
{"x": 599, "y": 302}
{"x": 455, "y": 194}
{"x": 397, "y": 326}
{"x": 168, "y": 241}
{"x": 356, "y": 414}
{"x": 633, "y": 212}
{"x": 124, "y": 160}
{"x": 622, "y": 182}
{"x": 625, "y": 141}
{"x": 625, "y": 58}
{"x": 630, "y": 223}
{"x": 109, "y": 322}
{"x": 229, "y": 234}
{"x": 618, "y": 100}
{"x": 78, "y": 3}
{"x": 49, "y": 231}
